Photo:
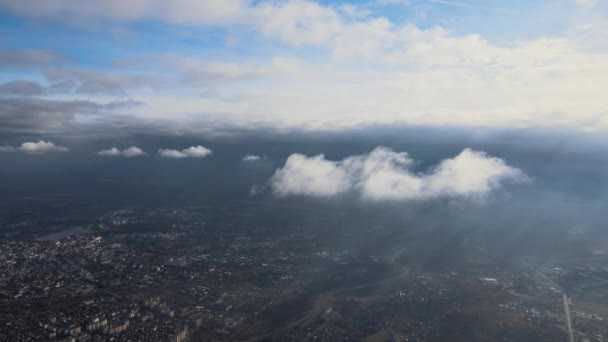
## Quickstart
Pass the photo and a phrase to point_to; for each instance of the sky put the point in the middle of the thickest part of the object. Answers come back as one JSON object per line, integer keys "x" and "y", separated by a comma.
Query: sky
{"x": 495, "y": 111}
{"x": 192, "y": 66}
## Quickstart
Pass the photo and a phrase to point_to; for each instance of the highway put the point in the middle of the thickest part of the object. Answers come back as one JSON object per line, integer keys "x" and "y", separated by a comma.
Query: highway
{"x": 567, "y": 315}
{"x": 566, "y": 305}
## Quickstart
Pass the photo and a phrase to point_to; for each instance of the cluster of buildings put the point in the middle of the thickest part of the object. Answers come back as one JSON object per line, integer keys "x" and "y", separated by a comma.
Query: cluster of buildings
{"x": 55, "y": 292}
{"x": 184, "y": 282}
{"x": 209, "y": 275}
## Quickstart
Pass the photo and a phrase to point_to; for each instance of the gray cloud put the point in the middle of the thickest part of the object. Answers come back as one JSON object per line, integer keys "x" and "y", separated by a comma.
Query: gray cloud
{"x": 26, "y": 58}
{"x": 24, "y": 114}
{"x": 27, "y": 114}
{"x": 64, "y": 85}
{"x": 115, "y": 105}
{"x": 21, "y": 88}
{"x": 387, "y": 175}
{"x": 181, "y": 72}
{"x": 7, "y": 149}
{"x": 190, "y": 12}
{"x": 86, "y": 81}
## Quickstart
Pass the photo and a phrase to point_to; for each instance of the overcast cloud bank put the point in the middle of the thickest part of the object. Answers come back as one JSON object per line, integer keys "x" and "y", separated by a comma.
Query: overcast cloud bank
{"x": 332, "y": 65}
{"x": 385, "y": 174}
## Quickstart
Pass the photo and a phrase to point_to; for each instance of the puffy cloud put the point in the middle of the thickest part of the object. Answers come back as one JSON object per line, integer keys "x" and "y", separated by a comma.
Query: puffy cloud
{"x": 132, "y": 151}
{"x": 21, "y": 88}
{"x": 384, "y": 174}
{"x": 471, "y": 173}
{"x": 190, "y": 152}
{"x": 40, "y": 147}
{"x": 7, "y": 149}
{"x": 296, "y": 22}
{"x": 310, "y": 176}
{"x": 175, "y": 154}
{"x": 353, "y": 11}
{"x": 110, "y": 152}
{"x": 387, "y": 175}
{"x": 31, "y": 147}
{"x": 251, "y": 158}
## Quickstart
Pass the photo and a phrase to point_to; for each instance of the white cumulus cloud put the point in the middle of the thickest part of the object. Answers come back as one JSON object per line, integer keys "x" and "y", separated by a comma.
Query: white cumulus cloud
{"x": 7, "y": 149}
{"x": 132, "y": 151}
{"x": 310, "y": 176}
{"x": 385, "y": 174}
{"x": 251, "y": 158}
{"x": 190, "y": 152}
{"x": 40, "y": 147}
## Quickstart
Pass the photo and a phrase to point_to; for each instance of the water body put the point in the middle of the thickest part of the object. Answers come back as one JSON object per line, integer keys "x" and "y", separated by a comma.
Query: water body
{"x": 65, "y": 233}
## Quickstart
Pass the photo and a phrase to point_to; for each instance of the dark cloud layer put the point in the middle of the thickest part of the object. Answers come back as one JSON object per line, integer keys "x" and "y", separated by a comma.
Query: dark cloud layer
{"x": 34, "y": 114}
{"x": 21, "y": 88}
{"x": 88, "y": 81}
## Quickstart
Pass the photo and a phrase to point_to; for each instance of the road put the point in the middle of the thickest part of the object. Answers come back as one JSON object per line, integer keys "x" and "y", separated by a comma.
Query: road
{"x": 566, "y": 305}
{"x": 568, "y": 320}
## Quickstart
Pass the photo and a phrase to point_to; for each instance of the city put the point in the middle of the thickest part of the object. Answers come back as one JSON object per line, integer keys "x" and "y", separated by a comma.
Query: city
{"x": 202, "y": 278}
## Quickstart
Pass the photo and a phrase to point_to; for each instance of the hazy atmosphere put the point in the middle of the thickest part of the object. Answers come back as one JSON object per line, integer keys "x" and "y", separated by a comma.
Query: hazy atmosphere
{"x": 299, "y": 170}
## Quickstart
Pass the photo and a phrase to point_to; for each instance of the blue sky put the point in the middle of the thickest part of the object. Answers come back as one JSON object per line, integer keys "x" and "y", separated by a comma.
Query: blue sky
{"x": 310, "y": 64}
{"x": 495, "y": 20}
